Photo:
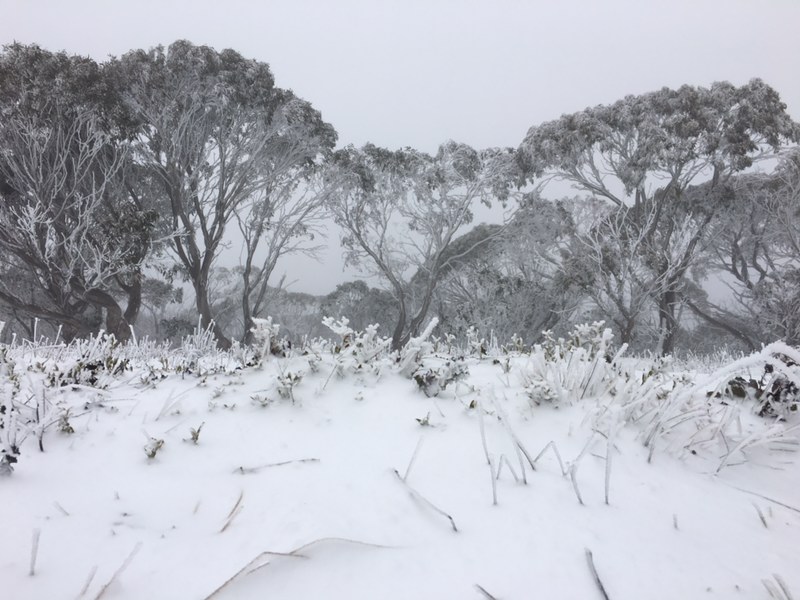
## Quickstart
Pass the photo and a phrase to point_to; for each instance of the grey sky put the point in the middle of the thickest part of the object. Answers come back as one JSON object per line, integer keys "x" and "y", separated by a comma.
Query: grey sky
{"x": 417, "y": 72}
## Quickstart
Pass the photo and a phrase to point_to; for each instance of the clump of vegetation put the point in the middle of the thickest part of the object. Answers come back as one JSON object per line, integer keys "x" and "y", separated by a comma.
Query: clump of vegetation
{"x": 152, "y": 447}
{"x": 434, "y": 379}
{"x": 286, "y": 384}
{"x": 564, "y": 370}
{"x": 195, "y": 434}
{"x": 777, "y": 391}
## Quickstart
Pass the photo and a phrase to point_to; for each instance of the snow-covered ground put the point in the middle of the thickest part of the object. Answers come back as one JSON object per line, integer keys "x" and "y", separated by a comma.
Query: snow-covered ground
{"x": 363, "y": 487}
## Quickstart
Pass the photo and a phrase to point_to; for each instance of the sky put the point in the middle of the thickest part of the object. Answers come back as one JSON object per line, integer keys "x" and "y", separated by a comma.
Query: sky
{"x": 419, "y": 72}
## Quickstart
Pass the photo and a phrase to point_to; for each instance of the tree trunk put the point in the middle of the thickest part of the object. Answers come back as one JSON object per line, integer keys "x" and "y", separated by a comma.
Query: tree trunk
{"x": 204, "y": 310}
{"x": 668, "y": 321}
{"x": 400, "y": 336}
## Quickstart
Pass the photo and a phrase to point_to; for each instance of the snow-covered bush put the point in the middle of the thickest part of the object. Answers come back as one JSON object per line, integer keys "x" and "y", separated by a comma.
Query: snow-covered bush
{"x": 433, "y": 379}
{"x": 711, "y": 413}
{"x": 561, "y": 371}
{"x": 357, "y": 351}
{"x": 265, "y": 339}
{"x": 410, "y": 357}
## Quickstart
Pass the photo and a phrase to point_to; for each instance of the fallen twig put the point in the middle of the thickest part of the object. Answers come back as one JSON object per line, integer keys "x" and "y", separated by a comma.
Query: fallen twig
{"x": 61, "y": 508}
{"x": 767, "y": 498}
{"x": 780, "y": 591}
{"x": 89, "y": 579}
{"x": 761, "y": 515}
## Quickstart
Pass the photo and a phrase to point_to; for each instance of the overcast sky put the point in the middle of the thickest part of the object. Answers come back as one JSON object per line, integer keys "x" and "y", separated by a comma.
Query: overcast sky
{"x": 418, "y": 72}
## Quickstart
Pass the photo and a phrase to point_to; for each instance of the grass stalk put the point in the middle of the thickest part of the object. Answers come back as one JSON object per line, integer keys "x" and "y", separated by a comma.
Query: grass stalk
{"x": 414, "y": 493}
{"x": 34, "y": 551}
{"x": 595, "y": 575}
{"x": 413, "y": 458}
{"x": 119, "y": 571}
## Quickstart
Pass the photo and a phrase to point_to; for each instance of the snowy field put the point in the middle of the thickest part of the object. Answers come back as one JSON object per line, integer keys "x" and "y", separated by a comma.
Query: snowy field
{"x": 331, "y": 474}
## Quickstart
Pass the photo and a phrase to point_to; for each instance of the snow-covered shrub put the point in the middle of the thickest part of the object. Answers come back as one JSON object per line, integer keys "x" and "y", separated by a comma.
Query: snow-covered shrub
{"x": 770, "y": 378}
{"x": 265, "y": 339}
{"x": 432, "y": 379}
{"x": 711, "y": 413}
{"x": 410, "y": 356}
{"x": 357, "y": 351}
{"x": 476, "y": 345}
{"x": 560, "y": 371}
{"x": 515, "y": 346}
{"x": 286, "y": 384}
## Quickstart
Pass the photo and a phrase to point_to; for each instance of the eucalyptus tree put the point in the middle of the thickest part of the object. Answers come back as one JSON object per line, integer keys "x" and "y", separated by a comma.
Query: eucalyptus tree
{"x": 71, "y": 232}
{"x": 520, "y": 283}
{"x": 642, "y": 153}
{"x": 218, "y": 134}
{"x": 287, "y": 213}
{"x": 401, "y": 210}
{"x": 757, "y": 244}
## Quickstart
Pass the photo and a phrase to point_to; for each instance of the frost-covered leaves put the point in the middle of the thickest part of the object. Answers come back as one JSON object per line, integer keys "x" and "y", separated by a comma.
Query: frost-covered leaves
{"x": 662, "y": 130}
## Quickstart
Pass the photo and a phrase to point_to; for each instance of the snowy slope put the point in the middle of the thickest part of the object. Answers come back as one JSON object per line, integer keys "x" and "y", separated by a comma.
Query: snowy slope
{"x": 302, "y": 499}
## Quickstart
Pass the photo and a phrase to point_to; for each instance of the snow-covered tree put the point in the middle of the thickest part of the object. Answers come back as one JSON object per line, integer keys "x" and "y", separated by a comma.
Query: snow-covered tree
{"x": 72, "y": 235}
{"x": 757, "y": 244}
{"x": 400, "y": 211}
{"x": 215, "y": 130}
{"x": 645, "y": 152}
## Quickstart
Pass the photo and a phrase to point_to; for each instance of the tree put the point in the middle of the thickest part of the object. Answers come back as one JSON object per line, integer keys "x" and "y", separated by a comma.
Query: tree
{"x": 288, "y": 211}
{"x": 71, "y": 232}
{"x": 212, "y": 126}
{"x": 757, "y": 243}
{"x": 361, "y": 305}
{"x": 644, "y": 152}
{"x": 400, "y": 212}
{"x": 519, "y": 283}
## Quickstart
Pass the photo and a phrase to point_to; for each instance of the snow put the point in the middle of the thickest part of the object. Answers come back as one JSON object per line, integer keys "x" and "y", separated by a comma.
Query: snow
{"x": 301, "y": 500}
